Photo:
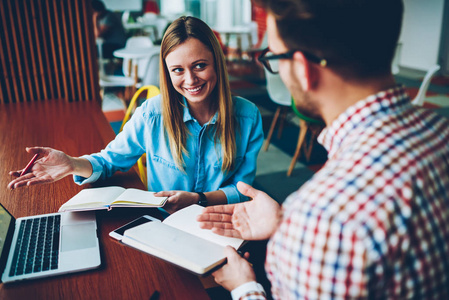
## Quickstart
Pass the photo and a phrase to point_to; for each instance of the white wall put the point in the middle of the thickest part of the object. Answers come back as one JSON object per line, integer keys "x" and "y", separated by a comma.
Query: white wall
{"x": 421, "y": 33}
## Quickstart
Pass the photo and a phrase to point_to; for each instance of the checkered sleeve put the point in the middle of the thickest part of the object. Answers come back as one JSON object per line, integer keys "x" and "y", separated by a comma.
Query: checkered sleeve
{"x": 318, "y": 258}
{"x": 249, "y": 291}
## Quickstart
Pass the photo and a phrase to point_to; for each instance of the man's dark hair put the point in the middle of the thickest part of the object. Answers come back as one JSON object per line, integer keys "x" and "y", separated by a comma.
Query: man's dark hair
{"x": 358, "y": 38}
{"x": 98, "y": 6}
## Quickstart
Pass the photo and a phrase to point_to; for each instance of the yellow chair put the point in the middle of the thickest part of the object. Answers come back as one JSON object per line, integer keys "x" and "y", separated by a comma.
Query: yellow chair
{"x": 151, "y": 92}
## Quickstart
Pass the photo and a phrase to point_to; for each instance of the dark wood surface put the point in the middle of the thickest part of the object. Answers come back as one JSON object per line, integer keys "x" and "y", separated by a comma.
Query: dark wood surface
{"x": 79, "y": 128}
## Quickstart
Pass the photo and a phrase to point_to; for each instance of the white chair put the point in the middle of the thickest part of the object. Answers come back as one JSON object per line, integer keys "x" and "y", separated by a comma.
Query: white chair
{"x": 279, "y": 94}
{"x": 125, "y": 17}
{"x": 420, "y": 97}
{"x": 101, "y": 61}
{"x": 396, "y": 59}
{"x": 129, "y": 81}
{"x": 151, "y": 76}
{"x": 142, "y": 63}
{"x": 149, "y": 21}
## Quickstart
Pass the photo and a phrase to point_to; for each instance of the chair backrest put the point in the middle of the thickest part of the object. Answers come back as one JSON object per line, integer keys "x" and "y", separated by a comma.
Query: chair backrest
{"x": 419, "y": 99}
{"x": 277, "y": 90}
{"x": 151, "y": 92}
{"x": 137, "y": 42}
{"x": 125, "y": 17}
{"x": 151, "y": 76}
{"x": 101, "y": 61}
{"x": 396, "y": 59}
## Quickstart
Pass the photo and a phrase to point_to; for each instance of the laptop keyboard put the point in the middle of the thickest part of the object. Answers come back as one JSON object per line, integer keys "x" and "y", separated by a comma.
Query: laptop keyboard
{"x": 37, "y": 247}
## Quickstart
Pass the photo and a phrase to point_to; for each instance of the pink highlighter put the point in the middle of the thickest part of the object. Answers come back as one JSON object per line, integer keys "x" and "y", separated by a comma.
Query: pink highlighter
{"x": 29, "y": 165}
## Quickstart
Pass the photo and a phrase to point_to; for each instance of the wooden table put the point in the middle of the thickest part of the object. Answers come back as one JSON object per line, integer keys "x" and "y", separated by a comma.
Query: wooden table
{"x": 80, "y": 128}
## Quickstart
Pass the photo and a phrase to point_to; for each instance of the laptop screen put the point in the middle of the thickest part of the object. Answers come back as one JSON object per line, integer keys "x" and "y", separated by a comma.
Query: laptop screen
{"x": 6, "y": 228}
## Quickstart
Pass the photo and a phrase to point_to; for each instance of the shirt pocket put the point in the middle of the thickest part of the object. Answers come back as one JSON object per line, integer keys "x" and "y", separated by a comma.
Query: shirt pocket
{"x": 164, "y": 162}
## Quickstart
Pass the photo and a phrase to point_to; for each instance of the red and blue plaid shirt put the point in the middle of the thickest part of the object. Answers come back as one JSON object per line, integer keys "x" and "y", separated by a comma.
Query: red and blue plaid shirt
{"x": 374, "y": 221}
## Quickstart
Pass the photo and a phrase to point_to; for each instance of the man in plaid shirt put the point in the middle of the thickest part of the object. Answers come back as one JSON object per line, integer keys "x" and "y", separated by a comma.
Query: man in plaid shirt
{"x": 374, "y": 221}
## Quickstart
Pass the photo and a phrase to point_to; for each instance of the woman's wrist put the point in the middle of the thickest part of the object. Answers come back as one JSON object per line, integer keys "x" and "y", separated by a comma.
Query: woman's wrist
{"x": 81, "y": 167}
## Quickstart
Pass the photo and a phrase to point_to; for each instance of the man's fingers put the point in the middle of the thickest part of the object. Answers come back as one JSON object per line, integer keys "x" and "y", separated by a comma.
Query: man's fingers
{"x": 246, "y": 189}
{"x": 227, "y": 232}
{"x": 214, "y": 217}
{"x": 226, "y": 209}
{"x": 210, "y": 225}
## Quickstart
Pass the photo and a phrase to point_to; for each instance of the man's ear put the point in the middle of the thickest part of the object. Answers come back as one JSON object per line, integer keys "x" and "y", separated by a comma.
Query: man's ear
{"x": 305, "y": 70}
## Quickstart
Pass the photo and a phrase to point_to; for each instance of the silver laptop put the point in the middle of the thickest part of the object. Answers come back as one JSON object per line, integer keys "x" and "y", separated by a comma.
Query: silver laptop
{"x": 47, "y": 245}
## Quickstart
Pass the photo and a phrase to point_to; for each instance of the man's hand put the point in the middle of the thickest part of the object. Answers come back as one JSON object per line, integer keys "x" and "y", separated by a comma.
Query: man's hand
{"x": 253, "y": 220}
{"x": 235, "y": 272}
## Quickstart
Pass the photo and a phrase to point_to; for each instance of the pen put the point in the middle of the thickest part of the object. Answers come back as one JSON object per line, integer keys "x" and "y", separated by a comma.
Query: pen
{"x": 29, "y": 165}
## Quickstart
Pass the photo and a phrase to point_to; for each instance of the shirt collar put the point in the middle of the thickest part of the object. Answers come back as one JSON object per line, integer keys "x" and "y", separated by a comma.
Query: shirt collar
{"x": 188, "y": 117}
{"x": 359, "y": 114}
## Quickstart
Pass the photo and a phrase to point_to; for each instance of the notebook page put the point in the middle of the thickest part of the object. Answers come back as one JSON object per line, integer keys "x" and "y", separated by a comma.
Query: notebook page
{"x": 132, "y": 196}
{"x": 92, "y": 196}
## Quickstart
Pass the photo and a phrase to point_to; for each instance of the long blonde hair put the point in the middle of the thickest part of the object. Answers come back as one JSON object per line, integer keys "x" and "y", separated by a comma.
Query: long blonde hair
{"x": 172, "y": 102}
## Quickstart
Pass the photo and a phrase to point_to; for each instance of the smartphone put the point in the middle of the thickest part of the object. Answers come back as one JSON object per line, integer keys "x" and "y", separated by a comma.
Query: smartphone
{"x": 118, "y": 233}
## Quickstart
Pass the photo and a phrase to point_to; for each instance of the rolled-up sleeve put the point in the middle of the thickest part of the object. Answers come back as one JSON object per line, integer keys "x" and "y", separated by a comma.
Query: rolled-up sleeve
{"x": 120, "y": 154}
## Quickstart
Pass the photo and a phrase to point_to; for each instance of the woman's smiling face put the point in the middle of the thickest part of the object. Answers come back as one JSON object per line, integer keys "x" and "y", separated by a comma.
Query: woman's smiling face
{"x": 192, "y": 72}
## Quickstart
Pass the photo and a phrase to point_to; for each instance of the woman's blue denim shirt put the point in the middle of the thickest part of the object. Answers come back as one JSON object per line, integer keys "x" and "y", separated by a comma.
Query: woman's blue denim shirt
{"x": 144, "y": 133}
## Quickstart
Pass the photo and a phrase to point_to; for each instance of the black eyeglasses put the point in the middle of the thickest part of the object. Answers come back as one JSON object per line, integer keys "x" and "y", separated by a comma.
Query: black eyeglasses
{"x": 273, "y": 66}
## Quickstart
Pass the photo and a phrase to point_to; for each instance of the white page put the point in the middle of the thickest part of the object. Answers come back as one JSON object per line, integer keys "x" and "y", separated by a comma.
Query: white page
{"x": 135, "y": 195}
{"x": 185, "y": 220}
{"x": 95, "y": 195}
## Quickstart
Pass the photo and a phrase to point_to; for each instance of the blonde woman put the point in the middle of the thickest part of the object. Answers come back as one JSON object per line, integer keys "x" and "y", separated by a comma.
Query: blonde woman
{"x": 199, "y": 140}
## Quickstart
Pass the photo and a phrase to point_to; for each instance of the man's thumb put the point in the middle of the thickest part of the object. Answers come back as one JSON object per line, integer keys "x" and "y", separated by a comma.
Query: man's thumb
{"x": 246, "y": 189}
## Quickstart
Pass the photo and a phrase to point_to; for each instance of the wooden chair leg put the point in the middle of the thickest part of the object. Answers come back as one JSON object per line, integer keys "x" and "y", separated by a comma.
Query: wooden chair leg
{"x": 314, "y": 132}
{"x": 125, "y": 96}
{"x": 301, "y": 137}
{"x": 273, "y": 124}
{"x": 282, "y": 121}
{"x": 239, "y": 47}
